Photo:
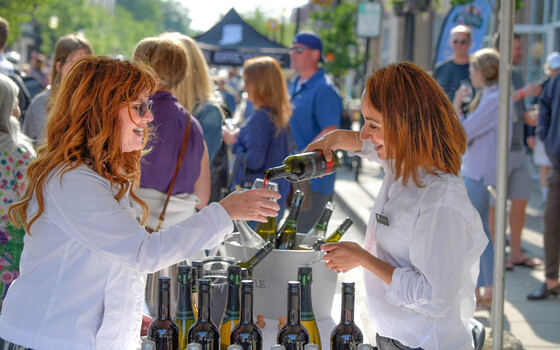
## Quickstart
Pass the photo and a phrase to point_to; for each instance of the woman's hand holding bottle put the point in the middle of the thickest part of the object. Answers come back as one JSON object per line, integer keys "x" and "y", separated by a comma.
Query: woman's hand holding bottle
{"x": 252, "y": 204}
{"x": 337, "y": 139}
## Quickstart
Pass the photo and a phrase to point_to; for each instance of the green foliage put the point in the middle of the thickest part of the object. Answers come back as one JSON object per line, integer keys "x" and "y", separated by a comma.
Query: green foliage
{"x": 338, "y": 34}
{"x": 110, "y": 34}
{"x": 518, "y": 3}
{"x": 258, "y": 20}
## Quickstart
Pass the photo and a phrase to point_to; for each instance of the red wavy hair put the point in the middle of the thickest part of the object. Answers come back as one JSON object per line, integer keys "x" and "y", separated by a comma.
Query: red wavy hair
{"x": 83, "y": 127}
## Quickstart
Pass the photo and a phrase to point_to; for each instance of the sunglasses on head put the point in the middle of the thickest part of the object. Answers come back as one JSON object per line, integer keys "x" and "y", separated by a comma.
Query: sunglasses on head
{"x": 298, "y": 49}
{"x": 462, "y": 42}
{"x": 144, "y": 107}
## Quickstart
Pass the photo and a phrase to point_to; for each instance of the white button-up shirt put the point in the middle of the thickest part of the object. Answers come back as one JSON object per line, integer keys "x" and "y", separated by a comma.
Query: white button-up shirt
{"x": 434, "y": 239}
{"x": 82, "y": 269}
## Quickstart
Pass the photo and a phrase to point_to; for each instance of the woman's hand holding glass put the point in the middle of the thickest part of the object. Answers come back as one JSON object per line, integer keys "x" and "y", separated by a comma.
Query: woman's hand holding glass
{"x": 256, "y": 204}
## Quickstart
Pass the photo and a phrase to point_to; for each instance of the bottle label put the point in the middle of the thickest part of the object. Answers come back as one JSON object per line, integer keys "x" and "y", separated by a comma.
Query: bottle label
{"x": 329, "y": 167}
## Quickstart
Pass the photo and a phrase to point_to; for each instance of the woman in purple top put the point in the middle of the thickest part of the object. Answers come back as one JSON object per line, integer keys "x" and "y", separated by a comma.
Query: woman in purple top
{"x": 191, "y": 190}
{"x": 264, "y": 141}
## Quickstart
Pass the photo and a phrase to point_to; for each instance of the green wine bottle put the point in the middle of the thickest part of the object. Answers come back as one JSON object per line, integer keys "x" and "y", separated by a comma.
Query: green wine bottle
{"x": 319, "y": 229}
{"x": 346, "y": 335}
{"x": 231, "y": 313}
{"x": 293, "y": 336}
{"x": 267, "y": 230}
{"x": 250, "y": 263}
{"x": 336, "y": 235}
{"x": 303, "y": 166}
{"x": 184, "y": 315}
{"x": 197, "y": 274}
{"x": 307, "y": 315}
{"x": 246, "y": 333}
{"x": 287, "y": 233}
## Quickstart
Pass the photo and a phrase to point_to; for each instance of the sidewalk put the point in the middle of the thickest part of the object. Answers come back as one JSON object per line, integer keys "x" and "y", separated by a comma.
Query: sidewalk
{"x": 535, "y": 324}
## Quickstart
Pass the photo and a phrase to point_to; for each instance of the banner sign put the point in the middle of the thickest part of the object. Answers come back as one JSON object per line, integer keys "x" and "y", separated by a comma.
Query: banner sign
{"x": 475, "y": 15}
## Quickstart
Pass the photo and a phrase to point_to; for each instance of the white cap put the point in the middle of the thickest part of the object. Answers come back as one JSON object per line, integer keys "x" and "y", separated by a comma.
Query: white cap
{"x": 553, "y": 60}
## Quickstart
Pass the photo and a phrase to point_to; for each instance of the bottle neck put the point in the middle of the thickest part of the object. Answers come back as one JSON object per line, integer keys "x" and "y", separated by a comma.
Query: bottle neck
{"x": 278, "y": 172}
{"x": 184, "y": 305}
{"x": 347, "y": 310}
{"x": 306, "y": 304}
{"x": 232, "y": 307}
{"x": 203, "y": 306}
{"x": 246, "y": 308}
{"x": 321, "y": 225}
{"x": 294, "y": 315}
{"x": 255, "y": 259}
{"x": 163, "y": 310}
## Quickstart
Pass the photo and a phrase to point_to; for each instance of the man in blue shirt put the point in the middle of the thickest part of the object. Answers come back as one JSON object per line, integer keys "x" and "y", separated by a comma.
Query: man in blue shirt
{"x": 317, "y": 110}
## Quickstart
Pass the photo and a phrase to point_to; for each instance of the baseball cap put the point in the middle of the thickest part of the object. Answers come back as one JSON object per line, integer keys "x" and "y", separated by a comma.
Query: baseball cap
{"x": 553, "y": 60}
{"x": 311, "y": 40}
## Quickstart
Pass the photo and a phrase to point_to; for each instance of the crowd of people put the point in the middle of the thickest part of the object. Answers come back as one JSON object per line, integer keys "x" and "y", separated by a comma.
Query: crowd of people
{"x": 116, "y": 171}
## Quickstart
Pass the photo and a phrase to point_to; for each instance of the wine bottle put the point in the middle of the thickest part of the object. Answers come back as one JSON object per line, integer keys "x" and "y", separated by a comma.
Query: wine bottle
{"x": 250, "y": 263}
{"x": 248, "y": 237}
{"x": 311, "y": 346}
{"x": 231, "y": 313}
{"x": 319, "y": 229}
{"x": 293, "y": 335}
{"x": 235, "y": 347}
{"x": 184, "y": 315}
{"x": 197, "y": 273}
{"x": 244, "y": 274}
{"x": 204, "y": 331}
{"x": 303, "y": 166}
{"x": 194, "y": 346}
{"x": 305, "y": 277}
{"x": 346, "y": 335}
{"x": 163, "y": 331}
{"x": 246, "y": 333}
{"x": 277, "y": 347}
{"x": 336, "y": 235}
{"x": 287, "y": 233}
{"x": 267, "y": 230}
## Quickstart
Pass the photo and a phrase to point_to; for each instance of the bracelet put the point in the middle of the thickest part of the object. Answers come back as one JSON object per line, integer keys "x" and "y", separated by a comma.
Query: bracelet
{"x": 355, "y": 144}
{"x": 521, "y": 93}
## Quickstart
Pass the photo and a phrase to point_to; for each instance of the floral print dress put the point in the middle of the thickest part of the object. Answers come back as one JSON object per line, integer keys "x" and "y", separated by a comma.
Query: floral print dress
{"x": 14, "y": 160}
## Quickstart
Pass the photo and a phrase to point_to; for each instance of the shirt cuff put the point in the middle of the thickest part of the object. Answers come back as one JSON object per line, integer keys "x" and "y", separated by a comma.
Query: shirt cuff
{"x": 398, "y": 293}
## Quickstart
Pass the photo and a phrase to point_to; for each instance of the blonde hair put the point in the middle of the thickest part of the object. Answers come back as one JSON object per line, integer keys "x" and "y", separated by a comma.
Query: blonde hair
{"x": 197, "y": 88}
{"x": 487, "y": 61}
{"x": 84, "y": 128}
{"x": 421, "y": 128}
{"x": 166, "y": 56}
{"x": 463, "y": 29}
{"x": 8, "y": 123}
{"x": 268, "y": 88}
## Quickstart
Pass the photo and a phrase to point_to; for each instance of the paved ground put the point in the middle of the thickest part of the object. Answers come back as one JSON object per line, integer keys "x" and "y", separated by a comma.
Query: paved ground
{"x": 535, "y": 324}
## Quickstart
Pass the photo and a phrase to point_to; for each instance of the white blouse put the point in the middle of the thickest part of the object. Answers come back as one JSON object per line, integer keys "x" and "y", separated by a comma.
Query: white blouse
{"x": 83, "y": 266}
{"x": 434, "y": 238}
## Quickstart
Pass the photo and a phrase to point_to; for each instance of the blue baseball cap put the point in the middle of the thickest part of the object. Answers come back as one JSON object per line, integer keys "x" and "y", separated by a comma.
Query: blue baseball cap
{"x": 311, "y": 40}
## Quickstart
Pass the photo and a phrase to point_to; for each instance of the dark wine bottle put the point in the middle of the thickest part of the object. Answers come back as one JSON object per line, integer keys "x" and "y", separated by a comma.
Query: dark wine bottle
{"x": 293, "y": 335}
{"x": 204, "y": 331}
{"x": 184, "y": 315}
{"x": 244, "y": 274}
{"x": 197, "y": 273}
{"x": 319, "y": 229}
{"x": 246, "y": 333}
{"x": 305, "y": 277}
{"x": 303, "y": 166}
{"x": 163, "y": 331}
{"x": 336, "y": 235}
{"x": 250, "y": 263}
{"x": 287, "y": 233}
{"x": 231, "y": 313}
{"x": 346, "y": 335}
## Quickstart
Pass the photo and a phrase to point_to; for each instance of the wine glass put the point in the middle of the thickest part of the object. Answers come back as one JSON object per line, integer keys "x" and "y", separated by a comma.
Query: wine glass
{"x": 267, "y": 230}
{"x": 259, "y": 183}
{"x": 465, "y": 84}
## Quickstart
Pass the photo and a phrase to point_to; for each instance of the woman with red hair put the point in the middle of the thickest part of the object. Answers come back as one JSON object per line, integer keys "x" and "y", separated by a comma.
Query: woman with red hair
{"x": 86, "y": 250}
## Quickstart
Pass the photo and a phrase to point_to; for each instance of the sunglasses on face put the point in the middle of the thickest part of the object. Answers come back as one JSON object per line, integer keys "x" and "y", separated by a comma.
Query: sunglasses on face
{"x": 297, "y": 49}
{"x": 144, "y": 107}
{"x": 462, "y": 42}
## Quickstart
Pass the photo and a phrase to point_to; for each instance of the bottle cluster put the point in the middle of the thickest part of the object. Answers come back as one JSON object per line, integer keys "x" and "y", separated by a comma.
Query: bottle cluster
{"x": 192, "y": 327}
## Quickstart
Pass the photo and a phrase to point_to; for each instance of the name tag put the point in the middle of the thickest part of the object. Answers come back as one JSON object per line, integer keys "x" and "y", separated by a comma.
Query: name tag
{"x": 382, "y": 219}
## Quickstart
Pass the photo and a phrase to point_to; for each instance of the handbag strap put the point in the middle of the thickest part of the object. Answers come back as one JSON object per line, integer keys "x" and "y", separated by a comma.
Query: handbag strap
{"x": 177, "y": 167}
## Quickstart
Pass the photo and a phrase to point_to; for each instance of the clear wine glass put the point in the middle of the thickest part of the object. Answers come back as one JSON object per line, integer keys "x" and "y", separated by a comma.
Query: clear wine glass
{"x": 259, "y": 183}
{"x": 466, "y": 84}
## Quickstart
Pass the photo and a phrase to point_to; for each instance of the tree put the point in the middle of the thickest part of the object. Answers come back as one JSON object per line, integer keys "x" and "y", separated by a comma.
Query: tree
{"x": 259, "y": 20}
{"x": 340, "y": 45}
{"x": 19, "y": 12}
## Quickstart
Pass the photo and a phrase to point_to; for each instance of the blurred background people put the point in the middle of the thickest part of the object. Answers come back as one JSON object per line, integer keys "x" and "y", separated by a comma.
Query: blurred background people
{"x": 196, "y": 94}
{"x": 450, "y": 73}
{"x": 15, "y": 156}
{"x": 6, "y": 67}
{"x": 265, "y": 140}
{"x": 68, "y": 49}
{"x": 39, "y": 70}
{"x": 479, "y": 161}
{"x": 316, "y": 110}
